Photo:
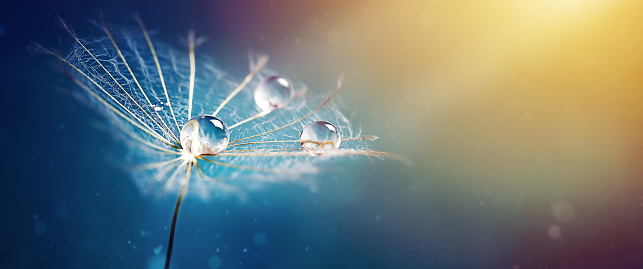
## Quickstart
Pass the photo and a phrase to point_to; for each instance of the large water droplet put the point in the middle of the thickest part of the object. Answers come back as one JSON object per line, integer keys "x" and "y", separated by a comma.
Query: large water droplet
{"x": 273, "y": 92}
{"x": 158, "y": 106}
{"x": 320, "y": 135}
{"x": 204, "y": 135}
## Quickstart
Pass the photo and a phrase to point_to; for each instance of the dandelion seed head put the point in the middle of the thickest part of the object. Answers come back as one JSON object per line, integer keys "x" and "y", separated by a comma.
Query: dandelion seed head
{"x": 174, "y": 108}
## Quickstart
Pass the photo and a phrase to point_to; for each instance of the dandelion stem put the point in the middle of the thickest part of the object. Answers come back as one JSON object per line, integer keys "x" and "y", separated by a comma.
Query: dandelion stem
{"x": 184, "y": 189}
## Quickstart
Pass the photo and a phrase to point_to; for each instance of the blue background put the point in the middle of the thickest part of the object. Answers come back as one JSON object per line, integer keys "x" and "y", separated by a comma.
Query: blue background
{"x": 506, "y": 109}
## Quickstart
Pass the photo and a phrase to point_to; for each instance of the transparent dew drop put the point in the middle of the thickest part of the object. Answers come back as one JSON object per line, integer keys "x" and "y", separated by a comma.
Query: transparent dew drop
{"x": 204, "y": 135}
{"x": 158, "y": 106}
{"x": 318, "y": 136}
{"x": 273, "y": 92}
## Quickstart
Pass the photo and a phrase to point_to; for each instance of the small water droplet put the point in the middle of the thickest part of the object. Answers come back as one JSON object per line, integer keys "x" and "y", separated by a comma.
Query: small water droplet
{"x": 273, "y": 92}
{"x": 158, "y": 106}
{"x": 320, "y": 135}
{"x": 204, "y": 135}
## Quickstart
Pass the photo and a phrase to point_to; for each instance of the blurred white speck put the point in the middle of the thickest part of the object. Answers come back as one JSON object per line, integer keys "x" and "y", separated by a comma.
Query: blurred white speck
{"x": 129, "y": 242}
{"x": 40, "y": 228}
{"x": 378, "y": 217}
{"x": 214, "y": 262}
{"x": 157, "y": 250}
{"x": 145, "y": 233}
{"x": 245, "y": 250}
{"x": 554, "y": 232}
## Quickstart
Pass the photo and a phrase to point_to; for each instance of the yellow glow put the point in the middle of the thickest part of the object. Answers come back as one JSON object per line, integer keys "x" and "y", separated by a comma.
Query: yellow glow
{"x": 544, "y": 95}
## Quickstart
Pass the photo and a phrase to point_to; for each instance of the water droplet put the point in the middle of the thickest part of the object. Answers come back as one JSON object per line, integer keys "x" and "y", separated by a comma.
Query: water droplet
{"x": 320, "y": 135}
{"x": 273, "y": 92}
{"x": 204, "y": 135}
{"x": 158, "y": 106}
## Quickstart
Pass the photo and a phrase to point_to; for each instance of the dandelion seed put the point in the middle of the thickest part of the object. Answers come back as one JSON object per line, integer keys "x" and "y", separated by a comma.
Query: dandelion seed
{"x": 122, "y": 73}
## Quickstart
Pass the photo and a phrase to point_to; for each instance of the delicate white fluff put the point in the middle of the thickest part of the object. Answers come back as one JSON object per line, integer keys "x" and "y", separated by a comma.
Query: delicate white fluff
{"x": 127, "y": 86}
